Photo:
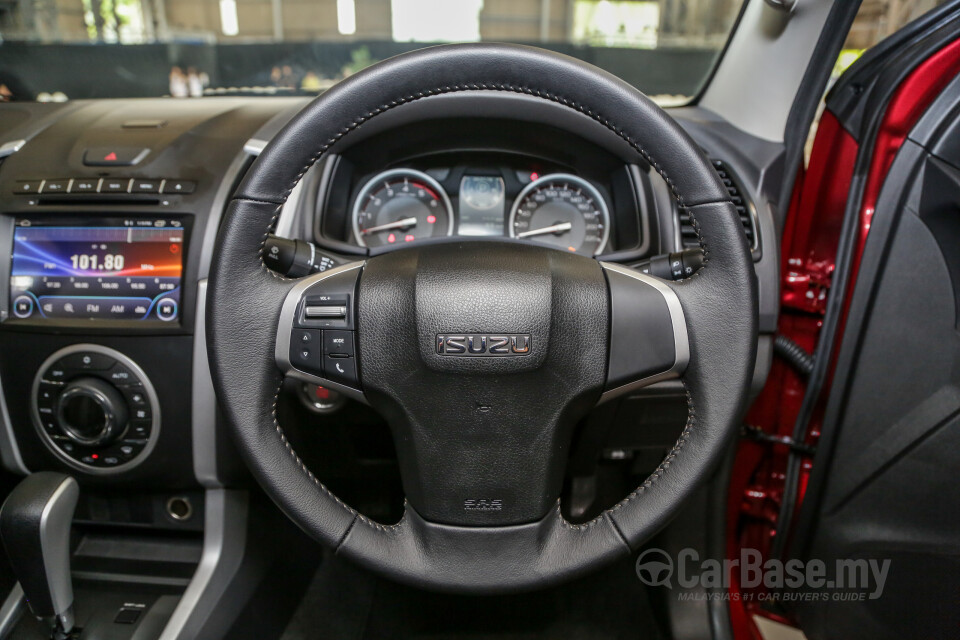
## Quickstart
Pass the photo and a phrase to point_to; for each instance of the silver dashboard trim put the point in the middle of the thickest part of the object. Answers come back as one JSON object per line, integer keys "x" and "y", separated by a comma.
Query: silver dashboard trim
{"x": 9, "y": 450}
{"x": 288, "y": 212}
{"x": 254, "y": 146}
{"x": 224, "y": 541}
{"x": 203, "y": 400}
{"x": 13, "y": 608}
{"x": 287, "y": 314}
{"x": 11, "y": 147}
{"x": 681, "y": 339}
{"x": 285, "y": 221}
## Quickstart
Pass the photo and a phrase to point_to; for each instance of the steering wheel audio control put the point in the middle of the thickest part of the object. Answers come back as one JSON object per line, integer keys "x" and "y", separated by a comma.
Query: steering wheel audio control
{"x": 315, "y": 340}
{"x": 95, "y": 409}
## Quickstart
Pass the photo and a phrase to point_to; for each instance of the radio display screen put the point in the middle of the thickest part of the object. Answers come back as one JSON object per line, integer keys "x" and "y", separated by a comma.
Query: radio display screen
{"x": 115, "y": 269}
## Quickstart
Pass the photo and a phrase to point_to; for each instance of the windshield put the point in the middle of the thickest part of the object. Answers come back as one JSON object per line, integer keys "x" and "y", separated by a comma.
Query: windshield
{"x": 55, "y": 50}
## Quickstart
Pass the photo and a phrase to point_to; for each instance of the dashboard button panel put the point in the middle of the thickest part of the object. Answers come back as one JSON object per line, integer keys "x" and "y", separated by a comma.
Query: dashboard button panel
{"x": 94, "y": 186}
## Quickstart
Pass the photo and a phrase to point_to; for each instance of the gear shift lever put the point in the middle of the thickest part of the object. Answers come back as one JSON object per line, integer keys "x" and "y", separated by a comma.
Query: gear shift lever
{"x": 35, "y": 527}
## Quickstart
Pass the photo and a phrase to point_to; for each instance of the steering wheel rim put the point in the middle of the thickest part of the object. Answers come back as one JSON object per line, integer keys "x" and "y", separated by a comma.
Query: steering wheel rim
{"x": 719, "y": 307}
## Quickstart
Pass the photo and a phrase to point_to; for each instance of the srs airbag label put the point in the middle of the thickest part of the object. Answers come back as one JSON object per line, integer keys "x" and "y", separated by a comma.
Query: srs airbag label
{"x": 482, "y": 505}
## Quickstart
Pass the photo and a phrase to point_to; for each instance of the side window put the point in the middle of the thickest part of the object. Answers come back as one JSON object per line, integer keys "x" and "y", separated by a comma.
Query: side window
{"x": 875, "y": 20}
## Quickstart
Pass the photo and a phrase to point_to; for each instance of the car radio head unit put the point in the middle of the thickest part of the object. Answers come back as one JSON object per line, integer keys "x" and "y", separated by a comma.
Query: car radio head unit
{"x": 102, "y": 269}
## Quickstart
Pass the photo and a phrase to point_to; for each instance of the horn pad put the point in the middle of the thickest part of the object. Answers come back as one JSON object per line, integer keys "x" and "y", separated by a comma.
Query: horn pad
{"x": 482, "y": 356}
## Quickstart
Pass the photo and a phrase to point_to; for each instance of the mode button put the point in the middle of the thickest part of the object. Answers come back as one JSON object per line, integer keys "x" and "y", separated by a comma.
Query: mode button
{"x": 338, "y": 343}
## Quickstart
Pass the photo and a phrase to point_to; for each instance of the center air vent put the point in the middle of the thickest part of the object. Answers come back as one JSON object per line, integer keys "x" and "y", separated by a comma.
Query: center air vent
{"x": 688, "y": 237}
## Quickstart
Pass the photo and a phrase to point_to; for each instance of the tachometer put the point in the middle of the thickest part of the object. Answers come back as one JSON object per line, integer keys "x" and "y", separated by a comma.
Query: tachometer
{"x": 400, "y": 206}
{"x": 564, "y": 211}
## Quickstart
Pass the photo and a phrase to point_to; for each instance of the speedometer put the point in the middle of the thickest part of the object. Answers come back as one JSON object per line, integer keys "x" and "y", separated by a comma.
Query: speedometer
{"x": 400, "y": 206}
{"x": 564, "y": 211}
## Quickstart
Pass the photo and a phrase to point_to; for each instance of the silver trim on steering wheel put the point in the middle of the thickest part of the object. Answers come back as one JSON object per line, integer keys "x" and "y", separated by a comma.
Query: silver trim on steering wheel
{"x": 680, "y": 338}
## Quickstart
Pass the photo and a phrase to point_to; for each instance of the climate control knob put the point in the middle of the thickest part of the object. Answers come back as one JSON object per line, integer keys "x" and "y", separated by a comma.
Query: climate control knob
{"x": 91, "y": 412}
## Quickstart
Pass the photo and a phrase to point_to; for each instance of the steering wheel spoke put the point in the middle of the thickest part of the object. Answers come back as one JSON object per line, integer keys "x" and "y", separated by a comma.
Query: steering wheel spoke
{"x": 316, "y": 335}
{"x": 648, "y": 331}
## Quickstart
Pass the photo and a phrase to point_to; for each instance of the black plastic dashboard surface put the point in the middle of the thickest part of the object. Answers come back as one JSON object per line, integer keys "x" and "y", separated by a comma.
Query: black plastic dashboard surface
{"x": 79, "y": 224}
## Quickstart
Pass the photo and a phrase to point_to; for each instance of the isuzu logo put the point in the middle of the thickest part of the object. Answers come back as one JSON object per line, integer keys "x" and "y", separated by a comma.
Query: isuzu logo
{"x": 483, "y": 344}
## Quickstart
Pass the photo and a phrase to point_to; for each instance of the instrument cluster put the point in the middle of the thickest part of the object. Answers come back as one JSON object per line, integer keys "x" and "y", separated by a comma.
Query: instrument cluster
{"x": 556, "y": 208}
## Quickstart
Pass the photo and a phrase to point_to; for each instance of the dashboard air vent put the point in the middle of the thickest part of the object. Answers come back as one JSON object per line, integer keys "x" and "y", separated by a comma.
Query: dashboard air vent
{"x": 688, "y": 237}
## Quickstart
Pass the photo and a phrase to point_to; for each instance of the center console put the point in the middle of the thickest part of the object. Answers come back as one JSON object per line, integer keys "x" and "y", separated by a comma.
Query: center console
{"x": 108, "y": 221}
{"x": 97, "y": 331}
{"x": 93, "y": 406}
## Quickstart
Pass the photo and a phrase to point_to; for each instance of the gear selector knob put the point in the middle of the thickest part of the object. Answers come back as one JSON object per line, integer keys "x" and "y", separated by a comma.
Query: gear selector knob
{"x": 35, "y": 527}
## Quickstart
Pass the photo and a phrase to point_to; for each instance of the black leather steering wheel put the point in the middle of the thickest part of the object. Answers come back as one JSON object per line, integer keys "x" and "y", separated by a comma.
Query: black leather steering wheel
{"x": 482, "y": 439}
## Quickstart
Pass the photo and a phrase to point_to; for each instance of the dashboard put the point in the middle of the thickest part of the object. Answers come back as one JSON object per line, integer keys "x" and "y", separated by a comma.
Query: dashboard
{"x": 109, "y": 216}
{"x": 109, "y": 212}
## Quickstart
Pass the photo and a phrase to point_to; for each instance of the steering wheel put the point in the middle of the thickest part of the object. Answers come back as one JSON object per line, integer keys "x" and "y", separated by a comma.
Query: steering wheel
{"x": 482, "y": 355}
